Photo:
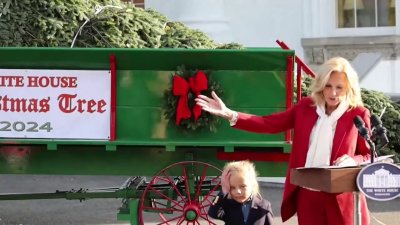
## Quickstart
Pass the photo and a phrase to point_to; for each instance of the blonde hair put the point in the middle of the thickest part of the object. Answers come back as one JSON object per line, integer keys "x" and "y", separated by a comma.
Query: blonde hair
{"x": 246, "y": 169}
{"x": 337, "y": 64}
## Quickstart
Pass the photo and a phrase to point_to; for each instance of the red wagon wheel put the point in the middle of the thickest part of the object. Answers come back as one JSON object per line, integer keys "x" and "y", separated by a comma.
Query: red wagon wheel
{"x": 180, "y": 194}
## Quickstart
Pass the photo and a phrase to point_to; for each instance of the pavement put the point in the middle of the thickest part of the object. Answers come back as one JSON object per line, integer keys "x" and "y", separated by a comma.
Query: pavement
{"x": 103, "y": 211}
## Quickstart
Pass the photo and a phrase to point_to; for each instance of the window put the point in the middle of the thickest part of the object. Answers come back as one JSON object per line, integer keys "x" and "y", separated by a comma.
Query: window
{"x": 366, "y": 13}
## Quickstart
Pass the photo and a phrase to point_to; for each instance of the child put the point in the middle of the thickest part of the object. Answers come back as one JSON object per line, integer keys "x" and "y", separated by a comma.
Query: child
{"x": 240, "y": 201}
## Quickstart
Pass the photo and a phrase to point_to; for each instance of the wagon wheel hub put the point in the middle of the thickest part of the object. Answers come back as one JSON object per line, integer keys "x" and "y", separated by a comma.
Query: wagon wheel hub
{"x": 191, "y": 212}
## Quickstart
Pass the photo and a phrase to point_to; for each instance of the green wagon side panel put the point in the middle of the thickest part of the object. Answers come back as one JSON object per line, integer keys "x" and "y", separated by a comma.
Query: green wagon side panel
{"x": 140, "y": 100}
{"x": 94, "y": 160}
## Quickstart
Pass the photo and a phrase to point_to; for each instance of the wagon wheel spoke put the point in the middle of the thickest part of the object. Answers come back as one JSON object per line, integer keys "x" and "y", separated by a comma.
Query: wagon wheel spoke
{"x": 173, "y": 185}
{"x": 165, "y": 221}
{"x": 202, "y": 178}
{"x": 186, "y": 184}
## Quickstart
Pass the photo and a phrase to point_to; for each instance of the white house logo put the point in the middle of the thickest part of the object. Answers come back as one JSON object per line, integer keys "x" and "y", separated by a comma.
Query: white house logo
{"x": 380, "y": 181}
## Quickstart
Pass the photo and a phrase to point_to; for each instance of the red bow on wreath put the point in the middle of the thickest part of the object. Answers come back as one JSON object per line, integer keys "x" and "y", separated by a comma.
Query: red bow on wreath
{"x": 181, "y": 88}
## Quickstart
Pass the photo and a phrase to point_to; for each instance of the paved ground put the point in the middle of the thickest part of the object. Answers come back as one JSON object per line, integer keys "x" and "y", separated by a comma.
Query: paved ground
{"x": 99, "y": 212}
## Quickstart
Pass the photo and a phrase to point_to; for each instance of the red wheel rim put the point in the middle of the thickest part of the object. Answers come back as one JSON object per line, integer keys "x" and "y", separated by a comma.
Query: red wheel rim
{"x": 180, "y": 194}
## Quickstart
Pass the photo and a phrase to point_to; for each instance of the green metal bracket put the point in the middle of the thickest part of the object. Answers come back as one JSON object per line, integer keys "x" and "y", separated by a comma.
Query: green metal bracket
{"x": 287, "y": 148}
{"x": 52, "y": 146}
{"x": 229, "y": 148}
{"x": 189, "y": 156}
{"x": 111, "y": 148}
{"x": 170, "y": 148}
{"x": 133, "y": 211}
{"x": 123, "y": 215}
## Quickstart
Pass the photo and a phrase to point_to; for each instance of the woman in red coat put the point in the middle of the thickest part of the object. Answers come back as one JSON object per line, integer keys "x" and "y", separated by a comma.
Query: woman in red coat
{"x": 324, "y": 135}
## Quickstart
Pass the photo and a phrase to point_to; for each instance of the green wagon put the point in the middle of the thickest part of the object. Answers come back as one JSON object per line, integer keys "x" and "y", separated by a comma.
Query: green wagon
{"x": 102, "y": 112}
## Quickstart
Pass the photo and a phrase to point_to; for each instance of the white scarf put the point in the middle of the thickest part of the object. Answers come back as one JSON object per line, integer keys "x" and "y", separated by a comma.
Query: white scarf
{"x": 321, "y": 137}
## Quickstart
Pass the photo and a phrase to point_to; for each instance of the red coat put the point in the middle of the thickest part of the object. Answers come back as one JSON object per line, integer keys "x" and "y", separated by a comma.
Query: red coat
{"x": 302, "y": 118}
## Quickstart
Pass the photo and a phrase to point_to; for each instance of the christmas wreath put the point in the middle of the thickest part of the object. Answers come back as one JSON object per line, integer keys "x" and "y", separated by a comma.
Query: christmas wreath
{"x": 180, "y": 107}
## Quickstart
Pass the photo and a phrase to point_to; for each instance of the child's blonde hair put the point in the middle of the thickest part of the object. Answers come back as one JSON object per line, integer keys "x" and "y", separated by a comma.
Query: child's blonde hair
{"x": 247, "y": 169}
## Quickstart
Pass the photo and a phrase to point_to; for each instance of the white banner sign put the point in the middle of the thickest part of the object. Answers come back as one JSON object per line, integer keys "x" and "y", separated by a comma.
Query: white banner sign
{"x": 67, "y": 104}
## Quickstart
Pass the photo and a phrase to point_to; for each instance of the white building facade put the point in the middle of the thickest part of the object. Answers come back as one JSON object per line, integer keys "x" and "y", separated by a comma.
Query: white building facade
{"x": 367, "y": 32}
